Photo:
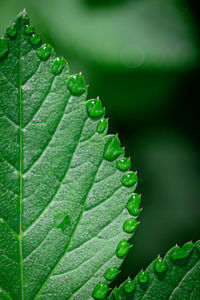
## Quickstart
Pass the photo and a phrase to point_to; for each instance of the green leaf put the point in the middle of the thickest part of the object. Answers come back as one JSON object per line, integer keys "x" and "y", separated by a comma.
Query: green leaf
{"x": 62, "y": 202}
{"x": 147, "y": 34}
{"x": 176, "y": 277}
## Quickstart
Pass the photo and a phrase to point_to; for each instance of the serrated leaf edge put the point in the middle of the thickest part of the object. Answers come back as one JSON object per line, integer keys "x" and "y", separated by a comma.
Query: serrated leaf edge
{"x": 36, "y": 41}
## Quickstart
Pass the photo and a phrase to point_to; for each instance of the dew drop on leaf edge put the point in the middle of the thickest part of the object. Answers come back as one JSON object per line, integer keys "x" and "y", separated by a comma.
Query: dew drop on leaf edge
{"x": 130, "y": 225}
{"x": 129, "y": 179}
{"x": 100, "y": 290}
{"x": 102, "y": 125}
{"x": 122, "y": 248}
{"x": 94, "y": 108}
{"x": 35, "y": 39}
{"x": 129, "y": 285}
{"x": 180, "y": 253}
{"x": 111, "y": 273}
{"x": 112, "y": 148}
{"x": 133, "y": 205}
{"x": 160, "y": 265}
{"x": 58, "y": 65}
{"x": 76, "y": 84}
{"x": 143, "y": 277}
{"x": 44, "y": 51}
{"x": 123, "y": 164}
{"x": 12, "y": 31}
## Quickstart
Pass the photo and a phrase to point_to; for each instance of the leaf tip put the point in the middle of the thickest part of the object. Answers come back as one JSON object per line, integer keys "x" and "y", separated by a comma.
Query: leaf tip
{"x": 23, "y": 14}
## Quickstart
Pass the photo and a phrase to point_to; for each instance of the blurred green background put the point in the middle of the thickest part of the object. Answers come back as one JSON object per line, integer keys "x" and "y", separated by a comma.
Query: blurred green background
{"x": 141, "y": 57}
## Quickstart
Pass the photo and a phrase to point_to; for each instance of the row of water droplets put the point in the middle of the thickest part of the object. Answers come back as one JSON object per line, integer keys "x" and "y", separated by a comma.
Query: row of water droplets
{"x": 112, "y": 151}
{"x": 160, "y": 266}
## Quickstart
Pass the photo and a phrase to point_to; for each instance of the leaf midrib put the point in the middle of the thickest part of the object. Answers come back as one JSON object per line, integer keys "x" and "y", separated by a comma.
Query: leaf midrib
{"x": 20, "y": 99}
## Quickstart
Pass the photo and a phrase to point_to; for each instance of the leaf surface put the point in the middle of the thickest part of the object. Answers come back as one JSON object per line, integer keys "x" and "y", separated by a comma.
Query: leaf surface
{"x": 176, "y": 277}
{"x": 62, "y": 196}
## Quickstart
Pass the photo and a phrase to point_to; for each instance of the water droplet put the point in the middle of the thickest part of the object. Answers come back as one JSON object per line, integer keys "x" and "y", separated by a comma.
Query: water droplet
{"x": 35, "y": 39}
{"x": 143, "y": 276}
{"x": 102, "y": 125}
{"x": 3, "y": 47}
{"x": 197, "y": 245}
{"x": 29, "y": 30}
{"x": 129, "y": 285}
{"x": 76, "y": 85}
{"x": 129, "y": 179}
{"x": 94, "y": 108}
{"x": 100, "y": 290}
{"x": 44, "y": 51}
{"x": 113, "y": 149}
{"x": 123, "y": 164}
{"x": 133, "y": 205}
{"x": 122, "y": 248}
{"x": 12, "y": 31}
{"x": 130, "y": 225}
{"x": 58, "y": 65}
{"x": 160, "y": 265}
{"x": 111, "y": 273}
{"x": 62, "y": 220}
{"x": 180, "y": 253}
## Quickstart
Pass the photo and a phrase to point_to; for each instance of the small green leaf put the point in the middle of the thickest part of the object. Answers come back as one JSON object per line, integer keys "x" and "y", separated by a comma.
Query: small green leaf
{"x": 166, "y": 279}
{"x": 62, "y": 201}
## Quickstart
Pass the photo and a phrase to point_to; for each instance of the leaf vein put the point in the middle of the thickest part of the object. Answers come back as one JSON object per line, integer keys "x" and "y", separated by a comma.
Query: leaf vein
{"x": 75, "y": 227}
{"x": 43, "y": 100}
{"x": 61, "y": 182}
{"x": 6, "y": 293}
{"x": 92, "y": 275}
{"x": 48, "y": 142}
{"x": 9, "y": 119}
{"x": 93, "y": 238}
{"x": 178, "y": 285}
{"x": 104, "y": 200}
{"x": 8, "y": 80}
{"x": 9, "y": 227}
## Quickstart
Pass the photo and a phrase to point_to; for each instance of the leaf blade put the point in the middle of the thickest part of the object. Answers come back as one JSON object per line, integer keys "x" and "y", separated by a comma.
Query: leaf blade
{"x": 179, "y": 281}
{"x": 52, "y": 165}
